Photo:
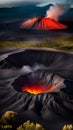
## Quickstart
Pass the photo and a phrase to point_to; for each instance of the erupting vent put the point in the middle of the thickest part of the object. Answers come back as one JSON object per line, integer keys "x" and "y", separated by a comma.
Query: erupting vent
{"x": 38, "y": 82}
{"x": 43, "y": 24}
{"x": 38, "y": 88}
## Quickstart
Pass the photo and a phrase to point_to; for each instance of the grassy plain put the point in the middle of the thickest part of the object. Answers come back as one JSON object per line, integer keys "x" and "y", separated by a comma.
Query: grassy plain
{"x": 59, "y": 43}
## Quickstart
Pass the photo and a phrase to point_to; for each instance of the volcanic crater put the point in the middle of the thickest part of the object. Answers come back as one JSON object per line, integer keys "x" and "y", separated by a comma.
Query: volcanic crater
{"x": 31, "y": 68}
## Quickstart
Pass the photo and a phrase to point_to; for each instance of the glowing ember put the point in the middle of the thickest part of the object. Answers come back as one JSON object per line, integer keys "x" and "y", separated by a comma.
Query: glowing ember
{"x": 39, "y": 88}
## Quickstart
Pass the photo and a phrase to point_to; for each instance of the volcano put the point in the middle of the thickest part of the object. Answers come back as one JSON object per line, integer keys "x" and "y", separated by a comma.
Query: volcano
{"x": 18, "y": 71}
{"x": 43, "y": 23}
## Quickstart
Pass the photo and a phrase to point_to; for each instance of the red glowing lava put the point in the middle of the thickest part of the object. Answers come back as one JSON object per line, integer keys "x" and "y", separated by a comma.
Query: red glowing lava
{"x": 39, "y": 88}
{"x": 43, "y": 24}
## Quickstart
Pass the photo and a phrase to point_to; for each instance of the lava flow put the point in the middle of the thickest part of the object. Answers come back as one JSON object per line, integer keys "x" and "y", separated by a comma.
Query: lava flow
{"x": 38, "y": 88}
{"x": 43, "y": 24}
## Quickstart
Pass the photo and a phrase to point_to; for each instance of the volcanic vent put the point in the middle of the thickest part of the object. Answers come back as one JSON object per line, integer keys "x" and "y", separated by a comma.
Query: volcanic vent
{"x": 52, "y": 110}
{"x": 41, "y": 73}
{"x": 38, "y": 82}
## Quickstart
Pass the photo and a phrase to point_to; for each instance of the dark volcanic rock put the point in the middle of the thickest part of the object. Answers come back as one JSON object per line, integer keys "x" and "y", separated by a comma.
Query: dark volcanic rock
{"x": 48, "y": 108}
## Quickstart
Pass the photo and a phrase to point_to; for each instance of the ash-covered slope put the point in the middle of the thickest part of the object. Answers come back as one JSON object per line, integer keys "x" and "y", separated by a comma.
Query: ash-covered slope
{"x": 46, "y": 108}
{"x": 57, "y": 62}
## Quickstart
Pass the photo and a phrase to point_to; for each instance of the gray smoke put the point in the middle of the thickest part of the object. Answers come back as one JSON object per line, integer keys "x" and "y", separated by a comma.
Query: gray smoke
{"x": 54, "y": 12}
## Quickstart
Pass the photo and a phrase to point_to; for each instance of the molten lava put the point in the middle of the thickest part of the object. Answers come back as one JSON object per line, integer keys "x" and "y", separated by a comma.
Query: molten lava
{"x": 43, "y": 24}
{"x": 38, "y": 88}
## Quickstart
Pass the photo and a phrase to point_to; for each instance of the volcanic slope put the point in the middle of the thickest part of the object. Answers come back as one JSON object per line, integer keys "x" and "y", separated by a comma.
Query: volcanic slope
{"x": 48, "y": 108}
{"x": 43, "y": 24}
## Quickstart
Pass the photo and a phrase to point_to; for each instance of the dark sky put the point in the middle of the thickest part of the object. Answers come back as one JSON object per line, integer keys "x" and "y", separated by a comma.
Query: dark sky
{"x": 16, "y": 9}
{"x": 11, "y": 3}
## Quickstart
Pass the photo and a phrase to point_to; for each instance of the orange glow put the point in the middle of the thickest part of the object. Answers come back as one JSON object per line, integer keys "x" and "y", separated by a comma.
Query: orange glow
{"x": 39, "y": 88}
{"x": 43, "y": 24}
{"x": 28, "y": 23}
{"x": 49, "y": 24}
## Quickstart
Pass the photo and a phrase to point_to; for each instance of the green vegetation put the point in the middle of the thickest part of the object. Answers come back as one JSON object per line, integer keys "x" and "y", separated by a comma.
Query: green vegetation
{"x": 58, "y": 42}
{"x": 8, "y": 117}
{"x": 68, "y": 127}
{"x": 30, "y": 126}
{"x": 8, "y": 121}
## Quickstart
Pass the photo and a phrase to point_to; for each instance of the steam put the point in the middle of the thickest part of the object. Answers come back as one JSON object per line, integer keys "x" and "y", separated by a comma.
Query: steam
{"x": 54, "y": 12}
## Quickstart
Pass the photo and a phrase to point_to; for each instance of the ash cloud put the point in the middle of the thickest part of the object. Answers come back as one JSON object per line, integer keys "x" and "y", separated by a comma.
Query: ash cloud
{"x": 55, "y": 11}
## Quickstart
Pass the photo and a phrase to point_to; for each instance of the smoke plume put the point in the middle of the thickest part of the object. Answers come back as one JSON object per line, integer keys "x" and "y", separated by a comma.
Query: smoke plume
{"x": 55, "y": 11}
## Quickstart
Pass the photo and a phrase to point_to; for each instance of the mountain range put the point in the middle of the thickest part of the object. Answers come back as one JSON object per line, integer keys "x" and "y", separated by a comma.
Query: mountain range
{"x": 30, "y": 11}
